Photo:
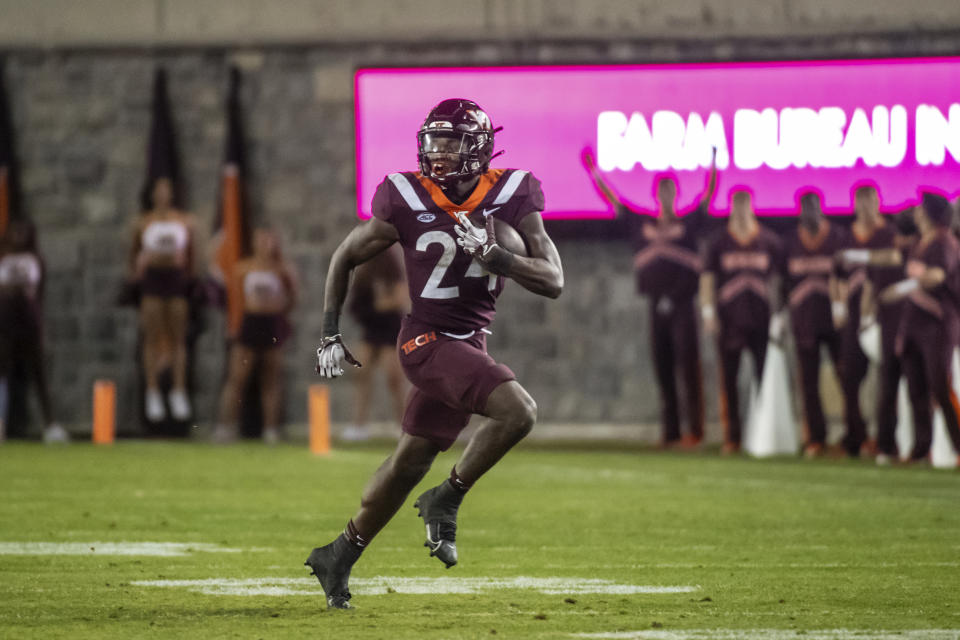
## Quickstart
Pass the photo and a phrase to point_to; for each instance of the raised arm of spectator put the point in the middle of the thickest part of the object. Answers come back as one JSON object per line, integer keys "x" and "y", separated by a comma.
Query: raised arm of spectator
{"x": 706, "y": 198}
{"x": 609, "y": 194}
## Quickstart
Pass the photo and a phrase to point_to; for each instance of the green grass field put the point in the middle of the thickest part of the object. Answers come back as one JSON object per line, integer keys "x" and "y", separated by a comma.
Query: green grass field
{"x": 553, "y": 544}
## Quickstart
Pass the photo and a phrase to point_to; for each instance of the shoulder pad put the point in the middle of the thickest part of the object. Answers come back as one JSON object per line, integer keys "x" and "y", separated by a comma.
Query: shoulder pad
{"x": 522, "y": 187}
{"x": 396, "y": 192}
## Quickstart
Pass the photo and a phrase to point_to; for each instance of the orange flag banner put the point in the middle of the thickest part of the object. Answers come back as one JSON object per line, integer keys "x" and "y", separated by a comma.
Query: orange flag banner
{"x": 231, "y": 230}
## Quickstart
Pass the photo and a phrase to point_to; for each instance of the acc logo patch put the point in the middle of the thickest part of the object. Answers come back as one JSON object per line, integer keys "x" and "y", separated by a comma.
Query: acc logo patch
{"x": 426, "y": 217}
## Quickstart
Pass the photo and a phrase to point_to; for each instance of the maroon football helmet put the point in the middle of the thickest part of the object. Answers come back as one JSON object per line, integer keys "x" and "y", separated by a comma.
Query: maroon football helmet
{"x": 469, "y": 127}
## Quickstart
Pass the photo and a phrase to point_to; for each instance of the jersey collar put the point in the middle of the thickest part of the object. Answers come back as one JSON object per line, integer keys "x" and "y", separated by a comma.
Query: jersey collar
{"x": 487, "y": 181}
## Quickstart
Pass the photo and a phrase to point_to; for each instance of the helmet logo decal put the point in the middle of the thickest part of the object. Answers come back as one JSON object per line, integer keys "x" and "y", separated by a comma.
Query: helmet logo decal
{"x": 482, "y": 119}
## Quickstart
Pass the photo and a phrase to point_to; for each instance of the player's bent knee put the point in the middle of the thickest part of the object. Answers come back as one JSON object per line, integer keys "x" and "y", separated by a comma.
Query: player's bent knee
{"x": 524, "y": 416}
{"x": 513, "y": 408}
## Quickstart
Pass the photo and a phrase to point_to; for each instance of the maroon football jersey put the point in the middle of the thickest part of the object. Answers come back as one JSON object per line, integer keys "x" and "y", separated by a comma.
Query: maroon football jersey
{"x": 667, "y": 262}
{"x": 743, "y": 270}
{"x": 448, "y": 289}
{"x": 810, "y": 261}
{"x": 939, "y": 306}
{"x": 884, "y": 237}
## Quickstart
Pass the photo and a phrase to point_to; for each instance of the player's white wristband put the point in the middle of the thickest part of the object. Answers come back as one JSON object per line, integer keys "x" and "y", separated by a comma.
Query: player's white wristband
{"x": 905, "y": 287}
{"x": 856, "y": 256}
{"x": 839, "y": 309}
{"x": 708, "y": 312}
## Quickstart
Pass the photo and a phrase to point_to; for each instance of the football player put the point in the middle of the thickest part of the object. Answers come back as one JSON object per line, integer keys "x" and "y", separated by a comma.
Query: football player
{"x": 927, "y": 331}
{"x": 667, "y": 265}
{"x": 737, "y": 298}
{"x": 443, "y": 218}
{"x": 874, "y": 263}
{"x": 812, "y": 288}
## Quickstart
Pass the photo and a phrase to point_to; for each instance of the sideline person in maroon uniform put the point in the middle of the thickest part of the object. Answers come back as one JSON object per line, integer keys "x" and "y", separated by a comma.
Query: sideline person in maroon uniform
{"x": 811, "y": 287}
{"x": 736, "y": 292}
{"x": 668, "y": 265}
{"x": 866, "y": 233}
{"x": 455, "y": 272}
{"x": 927, "y": 333}
{"x": 879, "y": 252}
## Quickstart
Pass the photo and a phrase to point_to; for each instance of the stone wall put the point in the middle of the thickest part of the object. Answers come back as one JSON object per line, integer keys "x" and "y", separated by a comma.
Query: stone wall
{"x": 82, "y": 116}
{"x": 57, "y": 23}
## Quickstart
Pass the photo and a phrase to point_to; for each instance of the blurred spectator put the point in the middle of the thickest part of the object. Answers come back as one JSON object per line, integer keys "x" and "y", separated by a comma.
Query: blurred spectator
{"x": 668, "y": 266}
{"x": 812, "y": 287}
{"x": 927, "y": 332}
{"x": 737, "y": 298}
{"x": 378, "y": 300}
{"x": 21, "y": 321}
{"x": 162, "y": 259}
{"x": 878, "y": 251}
{"x": 269, "y": 288}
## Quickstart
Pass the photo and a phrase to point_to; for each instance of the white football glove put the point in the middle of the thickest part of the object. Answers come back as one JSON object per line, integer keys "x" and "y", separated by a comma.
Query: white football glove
{"x": 476, "y": 241}
{"x": 330, "y": 357}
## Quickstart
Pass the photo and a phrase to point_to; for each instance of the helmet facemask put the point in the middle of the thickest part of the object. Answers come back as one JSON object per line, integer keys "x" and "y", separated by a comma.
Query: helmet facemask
{"x": 469, "y": 152}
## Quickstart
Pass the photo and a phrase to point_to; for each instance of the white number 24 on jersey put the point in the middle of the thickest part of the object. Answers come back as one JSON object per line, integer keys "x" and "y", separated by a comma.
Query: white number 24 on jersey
{"x": 432, "y": 289}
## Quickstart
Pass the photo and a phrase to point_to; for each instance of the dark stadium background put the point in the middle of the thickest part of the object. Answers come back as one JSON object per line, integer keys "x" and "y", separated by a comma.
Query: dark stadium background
{"x": 80, "y": 88}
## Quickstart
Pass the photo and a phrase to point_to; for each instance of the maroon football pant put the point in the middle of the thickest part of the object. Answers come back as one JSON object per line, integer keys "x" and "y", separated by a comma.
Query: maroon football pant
{"x": 731, "y": 346}
{"x": 853, "y": 370}
{"x": 675, "y": 346}
{"x": 888, "y": 384}
{"x": 451, "y": 379}
{"x": 808, "y": 359}
{"x": 926, "y": 358}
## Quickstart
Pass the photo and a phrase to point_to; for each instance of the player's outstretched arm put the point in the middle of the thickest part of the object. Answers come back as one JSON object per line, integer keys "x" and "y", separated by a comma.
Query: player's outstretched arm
{"x": 363, "y": 243}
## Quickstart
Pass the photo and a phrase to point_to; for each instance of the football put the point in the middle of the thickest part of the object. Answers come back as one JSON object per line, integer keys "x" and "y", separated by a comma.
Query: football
{"x": 509, "y": 238}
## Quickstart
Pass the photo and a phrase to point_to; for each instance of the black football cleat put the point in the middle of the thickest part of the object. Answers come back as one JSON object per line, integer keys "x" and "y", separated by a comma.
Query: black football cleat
{"x": 331, "y": 564}
{"x": 438, "y": 508}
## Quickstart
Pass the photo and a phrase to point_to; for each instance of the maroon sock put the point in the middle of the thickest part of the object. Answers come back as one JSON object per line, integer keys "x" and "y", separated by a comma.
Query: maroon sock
{"x": 457, "y": 482}
{"x": 353, "y": 536}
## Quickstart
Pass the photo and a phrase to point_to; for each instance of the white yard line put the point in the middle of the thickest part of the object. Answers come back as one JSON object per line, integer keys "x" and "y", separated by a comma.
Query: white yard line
{"x": 706, "y": 564}
{"x": 110, "y": 548}
{"x": 381, "y": 585}
{"x": 775, "y": 634}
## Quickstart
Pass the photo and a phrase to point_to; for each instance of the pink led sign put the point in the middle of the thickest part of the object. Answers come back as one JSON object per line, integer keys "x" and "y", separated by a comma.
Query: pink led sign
{"x": 780, "y": 127}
